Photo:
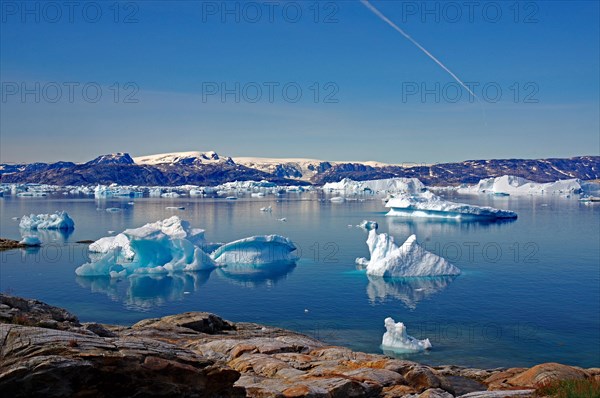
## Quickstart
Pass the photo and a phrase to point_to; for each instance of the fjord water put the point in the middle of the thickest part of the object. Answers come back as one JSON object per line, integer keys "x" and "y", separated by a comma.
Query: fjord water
{"x": 529, "y": 291}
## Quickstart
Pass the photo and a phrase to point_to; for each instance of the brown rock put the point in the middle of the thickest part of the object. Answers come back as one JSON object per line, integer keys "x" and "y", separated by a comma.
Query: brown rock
{"x": 54, "y": 363}
{"x": 202, "y": 322}
{"x": 422, "y": 378}
{"x": 260, "y": 364}
{"x": 545, "y": 373}
{"x": 397, "y": 391}
{"x": 382, "y": 377}
{"x": 499, "y": 380}
{"x": 435, "y": 393}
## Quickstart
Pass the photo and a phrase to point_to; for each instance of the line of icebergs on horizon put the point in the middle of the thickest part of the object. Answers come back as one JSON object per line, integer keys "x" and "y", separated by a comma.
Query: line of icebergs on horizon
{"x": 501, "y": 186}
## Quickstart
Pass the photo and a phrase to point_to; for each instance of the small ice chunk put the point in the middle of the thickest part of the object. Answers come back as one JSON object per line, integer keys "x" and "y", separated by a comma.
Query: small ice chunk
{"x": 58, "y": 220}
{"x": 368, "y": 225}
{"x": 396, "y": 339}
{"x": 267, "y": 209}
{"x": 282, "y": 219}
{"x": 30, "y": 240}
{"x": 410, "y": 259}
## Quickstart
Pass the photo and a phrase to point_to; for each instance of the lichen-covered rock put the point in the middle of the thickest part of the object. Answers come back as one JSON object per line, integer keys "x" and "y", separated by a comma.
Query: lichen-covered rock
{"x": 46, "y": 352}
{"x": 202, "y": 322}
{"x": 55, "y": 363}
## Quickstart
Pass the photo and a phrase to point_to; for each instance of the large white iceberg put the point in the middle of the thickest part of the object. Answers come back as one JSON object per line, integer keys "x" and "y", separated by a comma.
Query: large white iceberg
{"x": 512, "y": 185}
{"x": 165, "y": 246}
{"x": 429, "y": 205}
{"x": 256, "y": 250}
{"x": 408, "y": 260}
{"x": 173, "y": 227}
{"x": 396, "y": 339}
{"x": 389, "y": 185}
{"x": 58, "y": 220}
{"x": 171, "y": 245}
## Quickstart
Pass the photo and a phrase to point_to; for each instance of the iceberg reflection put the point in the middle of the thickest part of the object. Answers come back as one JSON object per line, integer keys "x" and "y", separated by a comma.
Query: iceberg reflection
{"x": 255, "y": 275}
{"x": 143, "y": 292}
{"x": 410, "y": 291}
{"x": 49, "y": 235}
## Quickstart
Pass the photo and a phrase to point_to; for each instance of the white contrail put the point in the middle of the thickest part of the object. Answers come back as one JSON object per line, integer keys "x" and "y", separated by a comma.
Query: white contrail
{"x": 413, "y": 41}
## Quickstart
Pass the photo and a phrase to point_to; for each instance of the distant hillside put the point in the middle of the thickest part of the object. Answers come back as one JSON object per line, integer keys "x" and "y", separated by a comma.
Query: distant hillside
{"x": 208, "y": 168}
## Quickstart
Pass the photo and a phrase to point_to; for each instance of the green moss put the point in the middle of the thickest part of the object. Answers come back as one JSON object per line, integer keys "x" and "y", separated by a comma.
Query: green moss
{"x": 588, "y": 388}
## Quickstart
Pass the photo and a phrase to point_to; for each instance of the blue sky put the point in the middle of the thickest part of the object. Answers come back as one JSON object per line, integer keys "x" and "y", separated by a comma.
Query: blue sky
{"x": 148, "y": 77}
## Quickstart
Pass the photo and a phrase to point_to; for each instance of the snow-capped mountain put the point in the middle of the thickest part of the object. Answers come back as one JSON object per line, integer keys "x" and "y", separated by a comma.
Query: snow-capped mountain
{"x": 112, "y": 158}
{"x": 193, "y": 157}
{"x": 208, "y": 168}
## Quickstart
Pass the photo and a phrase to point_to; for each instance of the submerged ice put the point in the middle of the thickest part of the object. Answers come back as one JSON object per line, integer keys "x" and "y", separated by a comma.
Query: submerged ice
{"x": 408, "y": 260}
{"x": 396, "y": 339}
{"x": 59, "y": 220}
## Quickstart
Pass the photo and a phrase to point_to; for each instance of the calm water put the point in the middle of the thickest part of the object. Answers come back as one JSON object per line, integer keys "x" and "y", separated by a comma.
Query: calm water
{"x": 529, "y": 291}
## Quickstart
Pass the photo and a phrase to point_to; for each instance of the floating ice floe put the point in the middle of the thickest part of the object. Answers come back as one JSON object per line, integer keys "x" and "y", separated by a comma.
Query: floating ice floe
{"x": 162, "y": 247}
{"x": 30, "y": 240}
{"x": 337, "y": 199}
{"x": 368, "y": 225}
{"x": 171, "y": 245}
{"x": 267, "y": 209}
{"x": 173, "y": 227}
{"x": 389, "y": 185}
{"x": 429, "y": 205}
{"x": 58, "y": 220}
{"x": 396, "y": 339}
{"x": 170, "y": 195}
{"x": 512, "y": 185}
{"x": 410, "y": 259}
{"x": 103, "y": 191}
{"x": 257, "y": 250}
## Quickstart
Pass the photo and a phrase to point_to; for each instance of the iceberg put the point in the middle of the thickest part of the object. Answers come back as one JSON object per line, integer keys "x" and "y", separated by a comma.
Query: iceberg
{"x": 30, "y": 240}
{"x": 368, "y": 225}
{"x": 389, "y": 185}
{"x": 256, "y": 250}
{"x": 512, "y": 185}
{"x": 171, "y": 245}
{"x": 162, "y": 247}
{"x": 396, "y": 339}
{"x": 111, "y": 243}
{"x": 408, "y": 260}
{"x": 103, "y": 192}
{"x": 59, "y": 220}
{"x": 429, "y": 205}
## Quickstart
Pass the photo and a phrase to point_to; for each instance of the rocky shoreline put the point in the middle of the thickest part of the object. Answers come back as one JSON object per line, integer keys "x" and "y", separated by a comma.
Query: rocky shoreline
{"x": 9, "y": 244}
{"x": 46, "y": 351}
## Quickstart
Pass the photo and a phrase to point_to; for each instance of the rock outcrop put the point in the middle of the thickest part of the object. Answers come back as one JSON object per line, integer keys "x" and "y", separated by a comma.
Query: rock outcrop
{"x": 46, "y": 351}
